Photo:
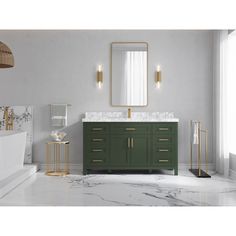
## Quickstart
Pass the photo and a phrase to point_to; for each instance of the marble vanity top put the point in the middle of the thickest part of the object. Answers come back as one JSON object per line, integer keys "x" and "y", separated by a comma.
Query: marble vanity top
{"x": 135, "y": 117}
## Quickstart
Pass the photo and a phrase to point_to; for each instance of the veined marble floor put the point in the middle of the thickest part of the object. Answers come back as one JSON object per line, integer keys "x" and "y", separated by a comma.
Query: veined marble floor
{"x": 123, "y": 190}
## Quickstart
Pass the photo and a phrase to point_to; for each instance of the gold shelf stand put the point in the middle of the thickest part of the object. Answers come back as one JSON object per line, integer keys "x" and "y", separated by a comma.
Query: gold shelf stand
{"x": 54, "y": 166}
{"x": 199, "y": 172}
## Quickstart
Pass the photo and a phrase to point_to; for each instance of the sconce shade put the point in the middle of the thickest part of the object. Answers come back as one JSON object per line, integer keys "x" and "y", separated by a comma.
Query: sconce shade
{"x": 158, "y": 76}
{"x": 99, "y": 76}
{"x": 6, "y": 56}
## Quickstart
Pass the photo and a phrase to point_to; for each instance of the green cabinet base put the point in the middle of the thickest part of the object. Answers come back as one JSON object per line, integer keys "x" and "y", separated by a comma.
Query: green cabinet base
{"x": 130, "y": 146}
{"x": 125, "y": 171}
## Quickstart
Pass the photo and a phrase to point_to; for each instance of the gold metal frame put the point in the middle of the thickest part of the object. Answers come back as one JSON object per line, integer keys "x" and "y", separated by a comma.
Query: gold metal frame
{"x": 206, "y": 147}
{"x": 111, "y": 74}
{"x": 54, "y": 165}
{"x": 199, "y": 149}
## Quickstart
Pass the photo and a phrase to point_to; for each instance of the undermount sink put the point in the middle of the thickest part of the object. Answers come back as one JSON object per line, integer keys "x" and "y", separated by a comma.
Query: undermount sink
{"x": 135, "y": 117}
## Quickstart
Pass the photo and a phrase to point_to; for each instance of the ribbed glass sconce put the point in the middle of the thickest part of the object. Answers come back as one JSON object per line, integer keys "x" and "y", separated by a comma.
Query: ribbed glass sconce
{"x": 6, "y": 56}
{"x": 158, "y": 76}
{"x": 99, "y": 76}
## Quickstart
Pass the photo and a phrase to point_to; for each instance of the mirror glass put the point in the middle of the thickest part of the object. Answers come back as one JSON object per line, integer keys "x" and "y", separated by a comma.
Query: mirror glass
{"x": 129, "y": 74}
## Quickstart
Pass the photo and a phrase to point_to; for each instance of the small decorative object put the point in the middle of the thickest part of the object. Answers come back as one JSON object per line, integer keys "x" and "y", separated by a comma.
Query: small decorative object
{"x": 55, "y": 152}
{"x": 57, "y": 136}
{"x": 195, "y": 140}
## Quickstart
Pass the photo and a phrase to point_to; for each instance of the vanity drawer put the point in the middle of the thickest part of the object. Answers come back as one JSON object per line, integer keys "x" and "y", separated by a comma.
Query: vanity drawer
{"x": 129, "y": 128}
{"x": 163, "y": 156}
{"x": 164, "y": 150}
{"x": 163, "y": 161}
{"x": 97, "y": 140}
{"x": 97, "y": 156}
{"x": 165, "y": 128}
{"x": 96, "y": 128}
{"x": 96, "y": 163}
{"x": 163, "y": 139}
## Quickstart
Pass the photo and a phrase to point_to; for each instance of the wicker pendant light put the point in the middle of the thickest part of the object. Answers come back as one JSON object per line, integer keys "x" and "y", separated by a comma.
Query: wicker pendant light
{"x": 6, "y": 56}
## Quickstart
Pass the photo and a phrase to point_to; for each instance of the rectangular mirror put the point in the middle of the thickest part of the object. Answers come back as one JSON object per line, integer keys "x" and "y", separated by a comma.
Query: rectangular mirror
{"x": 129, "y": 74}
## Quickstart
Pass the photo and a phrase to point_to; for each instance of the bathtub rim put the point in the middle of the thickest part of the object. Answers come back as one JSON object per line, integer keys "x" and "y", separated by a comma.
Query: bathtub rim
{"x": 4, "y": 133}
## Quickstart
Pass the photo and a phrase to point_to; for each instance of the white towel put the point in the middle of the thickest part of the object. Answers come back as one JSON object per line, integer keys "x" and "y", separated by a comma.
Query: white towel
{"x": 59, "y": 115}
{"x": 195, "y": 132}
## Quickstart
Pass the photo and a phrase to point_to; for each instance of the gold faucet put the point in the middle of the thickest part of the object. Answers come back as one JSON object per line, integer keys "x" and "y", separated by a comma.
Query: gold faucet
{"x": 8, "y": 117}
{"x": 129, "y": 113}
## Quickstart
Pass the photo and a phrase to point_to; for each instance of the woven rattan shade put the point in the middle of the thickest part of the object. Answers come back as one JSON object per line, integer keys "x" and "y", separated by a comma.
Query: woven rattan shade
{"x": 6, "y": 56}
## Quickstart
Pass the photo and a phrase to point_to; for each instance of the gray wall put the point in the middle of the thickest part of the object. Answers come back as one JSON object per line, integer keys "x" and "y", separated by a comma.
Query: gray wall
{"x": 60, "y": 67}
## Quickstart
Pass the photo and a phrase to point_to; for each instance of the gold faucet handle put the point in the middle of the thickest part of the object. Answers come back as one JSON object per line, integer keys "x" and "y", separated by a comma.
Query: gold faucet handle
{"x": 129, "y": 112}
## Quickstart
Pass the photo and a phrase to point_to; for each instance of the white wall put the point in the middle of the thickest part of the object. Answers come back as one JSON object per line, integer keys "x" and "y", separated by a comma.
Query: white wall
{"x": 60, "y": 67}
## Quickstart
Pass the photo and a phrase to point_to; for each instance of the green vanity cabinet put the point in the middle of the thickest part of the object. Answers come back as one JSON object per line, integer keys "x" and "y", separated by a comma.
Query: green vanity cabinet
{"x": 130, "y": 146}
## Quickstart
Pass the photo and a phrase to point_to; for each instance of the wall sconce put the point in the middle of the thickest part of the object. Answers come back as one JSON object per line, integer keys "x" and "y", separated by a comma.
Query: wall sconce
{"x": 158, "y": 76}
{"x": 99, "y": 76}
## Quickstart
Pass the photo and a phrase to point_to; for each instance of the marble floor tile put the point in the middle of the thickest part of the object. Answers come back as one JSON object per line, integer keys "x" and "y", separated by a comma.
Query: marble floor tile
{"x": 123, "y": 190}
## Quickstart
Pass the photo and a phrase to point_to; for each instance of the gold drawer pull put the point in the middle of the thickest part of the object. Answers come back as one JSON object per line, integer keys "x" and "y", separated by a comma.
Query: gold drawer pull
{"x": 97, "y": 129}
{"x": 97, "y": 160}
{"x": 164, "y": 129}
{"x": 163, "y": 150}
{"x": 130, "y": 129}
{"x": 132, "y": 143}
{"x": 163, "y": 139}
{"x": 163, "y": 160}
{"x": 97, "y": 139}
{"x": 97, "y": 150}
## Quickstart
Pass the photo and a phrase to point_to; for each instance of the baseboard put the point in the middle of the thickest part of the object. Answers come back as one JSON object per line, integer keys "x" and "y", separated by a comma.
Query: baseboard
{"x": 232, "y": 174}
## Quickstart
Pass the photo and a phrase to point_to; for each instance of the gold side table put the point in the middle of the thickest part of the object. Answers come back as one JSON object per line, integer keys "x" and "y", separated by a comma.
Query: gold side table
{"x": 54, "y": 166}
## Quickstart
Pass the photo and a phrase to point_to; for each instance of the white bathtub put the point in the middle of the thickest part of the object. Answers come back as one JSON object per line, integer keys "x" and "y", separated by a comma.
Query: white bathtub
{"x": 12, "y": 151}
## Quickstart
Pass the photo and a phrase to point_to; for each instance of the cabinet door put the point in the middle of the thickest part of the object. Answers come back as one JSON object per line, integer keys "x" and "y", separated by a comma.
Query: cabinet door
{"x": 119, "y": 151}
{"x": 139, "y": 151}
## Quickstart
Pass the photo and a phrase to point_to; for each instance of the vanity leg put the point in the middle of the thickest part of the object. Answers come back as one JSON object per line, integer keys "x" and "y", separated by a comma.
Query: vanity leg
{"x": 150, "y": 171}
{"x": 109, "y": 171}
{"x": 176, "y": 171}
{"x": 85, "y": 172}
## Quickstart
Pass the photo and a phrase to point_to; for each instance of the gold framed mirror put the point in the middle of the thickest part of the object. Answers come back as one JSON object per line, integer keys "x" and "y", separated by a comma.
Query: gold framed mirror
{"x": 129, "y": 74}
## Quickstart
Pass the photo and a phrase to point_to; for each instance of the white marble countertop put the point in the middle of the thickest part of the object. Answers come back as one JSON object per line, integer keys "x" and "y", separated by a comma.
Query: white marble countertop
{"x": 135, "y": 117}
{"x": 129, "y": 120}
